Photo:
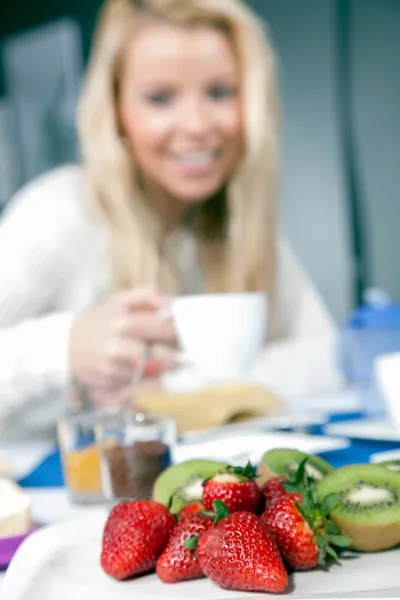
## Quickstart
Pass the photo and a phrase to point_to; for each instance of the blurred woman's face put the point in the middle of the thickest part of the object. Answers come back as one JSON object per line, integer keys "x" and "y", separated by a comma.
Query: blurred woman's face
{"x": 180, "y": 108}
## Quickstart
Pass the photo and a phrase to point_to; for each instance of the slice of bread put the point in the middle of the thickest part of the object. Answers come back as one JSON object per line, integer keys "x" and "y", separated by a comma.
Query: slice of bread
{"x": 211, "y": 407}
{"x": 15, "y": 507}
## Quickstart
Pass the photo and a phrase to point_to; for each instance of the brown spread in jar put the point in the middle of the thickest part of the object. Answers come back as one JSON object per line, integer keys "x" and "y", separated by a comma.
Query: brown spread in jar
{"x": 134, "y": 468}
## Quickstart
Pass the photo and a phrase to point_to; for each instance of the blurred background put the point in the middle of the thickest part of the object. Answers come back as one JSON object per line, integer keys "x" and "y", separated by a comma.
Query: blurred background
{"x": 340, "y": 81}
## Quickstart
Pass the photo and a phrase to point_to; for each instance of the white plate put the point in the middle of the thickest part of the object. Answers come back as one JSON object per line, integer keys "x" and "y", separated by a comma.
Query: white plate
{"x": 382, "y": 456}
{"x": 365, "y": 429}
{"x": 19, "y": 460}
{"x": 297, "y": 422}
{"x": 62, "y": 562}
{"x": 238, "y": 449}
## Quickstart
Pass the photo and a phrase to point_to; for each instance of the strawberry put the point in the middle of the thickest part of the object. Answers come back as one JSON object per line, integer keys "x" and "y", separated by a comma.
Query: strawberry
{"x": 272, "y": 490}
{"x": 304, "y": 533}
{"x": 190, "y": 510}
{"x": 239, "y": 553}
{"x": 179, "y": 562}
{"x": 134, "y": 537}
{"x": 295, "y": 537}
{"x": 235, "y": 487}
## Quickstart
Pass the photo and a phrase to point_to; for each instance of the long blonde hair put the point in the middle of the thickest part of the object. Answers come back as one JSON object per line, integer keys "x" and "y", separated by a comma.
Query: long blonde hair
{"x": 238, "y": 254}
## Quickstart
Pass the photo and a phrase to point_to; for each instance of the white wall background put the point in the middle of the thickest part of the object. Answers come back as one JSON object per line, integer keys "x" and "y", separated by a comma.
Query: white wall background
{"x": 314, "y": 204}
{"x": 377, "y": 119}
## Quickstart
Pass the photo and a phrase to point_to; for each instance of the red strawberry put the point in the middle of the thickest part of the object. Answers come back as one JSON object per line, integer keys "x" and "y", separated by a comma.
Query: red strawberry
{"x": 134, "y": 537}
{"x": 294, "y": 535}
{"x": 272, "y": 490}
{"x": 235, "y": 487}
{"x": 301, "y": 523}
{"x": 177, "y": 562}
{"x": 240, "y": 554}
{"x": 190, "y": 510}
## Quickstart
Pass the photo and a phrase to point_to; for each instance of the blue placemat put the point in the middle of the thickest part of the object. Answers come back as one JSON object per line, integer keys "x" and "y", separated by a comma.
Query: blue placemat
{"x": 47, "y": 474}
{"x": 358, "y": 452}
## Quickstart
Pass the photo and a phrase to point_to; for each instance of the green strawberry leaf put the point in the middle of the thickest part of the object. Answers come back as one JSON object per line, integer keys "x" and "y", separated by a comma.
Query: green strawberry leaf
{"x": 320, "y": 540}
{"x": 301, "y": 473}
{"x": 247, "y": 471}
{"x": 332, "y": 528}
{"x": 304, "y": 514}
{"x": 314, "y": 497}
{"x": 221, "y": 510}
{"x": 290, "y": 487}
{"x": 341, "y": 541}
{"x": 290, "y": 470}
{"x": 332, "y": 553}
{"x": 192, "y": 542}
{"x": 329, "y": 503}
{"x": 170, "y": 502}
{"x": 307, "y": 501}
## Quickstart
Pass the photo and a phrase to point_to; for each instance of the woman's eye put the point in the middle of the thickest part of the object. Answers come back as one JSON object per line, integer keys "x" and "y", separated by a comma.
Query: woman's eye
{"x": 220, "y": 92}
{"x": 160, "y": 98}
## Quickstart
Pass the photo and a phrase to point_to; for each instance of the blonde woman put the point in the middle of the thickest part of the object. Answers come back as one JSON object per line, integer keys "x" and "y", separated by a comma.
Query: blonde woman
{"x": 179, "y": 124}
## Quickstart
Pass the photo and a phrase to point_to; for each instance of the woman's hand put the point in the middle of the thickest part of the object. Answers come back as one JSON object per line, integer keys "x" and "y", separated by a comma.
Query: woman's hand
{"x": 108, "y": 341}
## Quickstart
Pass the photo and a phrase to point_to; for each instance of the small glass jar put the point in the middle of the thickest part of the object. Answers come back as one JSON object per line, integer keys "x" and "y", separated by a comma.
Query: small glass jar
{"x": 80, "y": 457}
{"x": 135, "y": 448}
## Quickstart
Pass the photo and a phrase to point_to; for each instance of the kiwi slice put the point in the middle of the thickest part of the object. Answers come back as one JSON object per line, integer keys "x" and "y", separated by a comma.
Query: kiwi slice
{"x": 184, "y": 481}
{"x": 368, "y": 509}
{"x": 390, "y": 465}
{"x": 276, "y": 463}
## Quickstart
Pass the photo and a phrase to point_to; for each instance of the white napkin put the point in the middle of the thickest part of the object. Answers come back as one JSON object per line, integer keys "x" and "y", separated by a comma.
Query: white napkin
{"x": 387, "y": 374}
{"x": 21, "y": 459}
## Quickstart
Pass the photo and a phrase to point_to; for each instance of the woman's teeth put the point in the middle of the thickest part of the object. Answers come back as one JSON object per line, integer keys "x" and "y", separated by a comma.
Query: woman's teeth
{"x": 197, "y": 158}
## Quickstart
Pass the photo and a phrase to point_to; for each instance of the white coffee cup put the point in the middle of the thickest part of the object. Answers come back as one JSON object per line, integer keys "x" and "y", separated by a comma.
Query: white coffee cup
{"x": 221, "y": 335}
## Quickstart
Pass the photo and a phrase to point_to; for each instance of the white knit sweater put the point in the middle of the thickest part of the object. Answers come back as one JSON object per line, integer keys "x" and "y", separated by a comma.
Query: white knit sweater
{"x": 53, "y": 264}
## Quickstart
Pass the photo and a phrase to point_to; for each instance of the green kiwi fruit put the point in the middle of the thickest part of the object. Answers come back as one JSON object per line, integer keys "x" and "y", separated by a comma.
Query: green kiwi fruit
{"x": 391, "y": 465}
{"x": 276, "y": 463}
{"x": 183, "y": 482}
{"x": 368, "y": 508}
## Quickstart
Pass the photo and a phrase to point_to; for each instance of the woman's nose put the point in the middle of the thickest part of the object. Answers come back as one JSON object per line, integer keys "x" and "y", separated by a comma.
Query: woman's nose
{"x": 194, "y": 117}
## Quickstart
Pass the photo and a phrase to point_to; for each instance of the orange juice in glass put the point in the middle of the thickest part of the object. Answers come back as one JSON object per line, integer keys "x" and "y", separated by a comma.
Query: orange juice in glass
{"x": 80, "y": 458}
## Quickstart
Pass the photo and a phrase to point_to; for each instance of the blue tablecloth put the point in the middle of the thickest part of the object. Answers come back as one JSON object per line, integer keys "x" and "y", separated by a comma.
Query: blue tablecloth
{"x": 49, "y": 473}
